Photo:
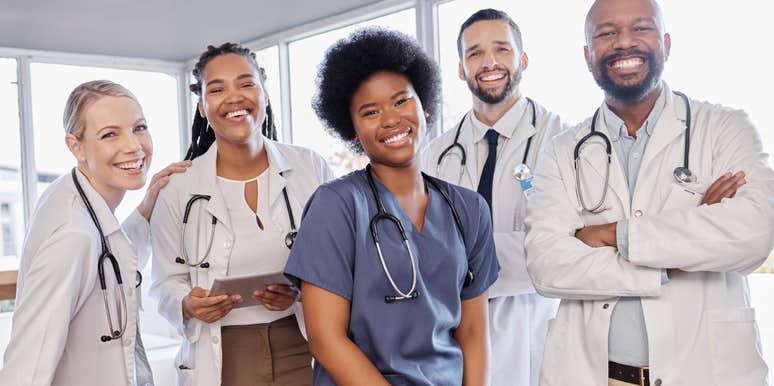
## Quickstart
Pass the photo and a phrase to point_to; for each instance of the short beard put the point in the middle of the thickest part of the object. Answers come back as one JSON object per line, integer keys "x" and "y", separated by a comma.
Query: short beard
{"x": 494, "y": 99}
{"x": 632, "y": 93}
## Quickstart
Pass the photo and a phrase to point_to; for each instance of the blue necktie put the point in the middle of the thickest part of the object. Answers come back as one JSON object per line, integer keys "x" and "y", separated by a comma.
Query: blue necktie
{"x": 487, "y": 175}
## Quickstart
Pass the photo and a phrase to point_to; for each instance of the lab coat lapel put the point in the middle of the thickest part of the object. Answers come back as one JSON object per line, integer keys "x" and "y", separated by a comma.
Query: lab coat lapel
{"x": 513, "y": 151}
{"x": 466, "y": 140}
{"x": 599, "y": 165}
{"x": 107, "y": 220}
{"x": 670, "y": 127}
{"x": 278, "y": 165}
{"x": 216, "y": 206}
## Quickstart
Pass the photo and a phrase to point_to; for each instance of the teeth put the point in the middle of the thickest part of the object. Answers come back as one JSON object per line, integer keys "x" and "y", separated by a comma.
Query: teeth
{"x": 493, "y": 77}
{"x": 627, "y": 63}
{"x": 397, "y": 137}
{"x": 130, "y": 165}
{"x": 237, "y": 113}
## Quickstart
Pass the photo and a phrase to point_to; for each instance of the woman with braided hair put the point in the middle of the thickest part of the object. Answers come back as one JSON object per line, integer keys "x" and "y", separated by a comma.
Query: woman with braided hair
{"x": 253, "y": 191}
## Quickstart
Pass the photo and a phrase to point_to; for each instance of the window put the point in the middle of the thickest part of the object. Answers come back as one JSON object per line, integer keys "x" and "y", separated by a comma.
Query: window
{"x": 11, "y": 204}
{"x": 721, "y": 65}
{"x": 52, "y": 84}
{"x": 268, "y": 58}
{"x": 305, "y": 55}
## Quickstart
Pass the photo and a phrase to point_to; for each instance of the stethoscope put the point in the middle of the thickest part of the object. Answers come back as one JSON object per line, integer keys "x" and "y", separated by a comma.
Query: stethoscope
{"x": 290, "y": 237}
{"x": 122, "y": 309}
{"x": 521, "y": 172}
{"x": 382, "y": 214}
{"x": 682, "y": 174}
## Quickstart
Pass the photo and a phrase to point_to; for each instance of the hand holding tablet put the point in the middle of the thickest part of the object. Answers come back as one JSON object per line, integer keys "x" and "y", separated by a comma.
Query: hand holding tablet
{"x": 273, "y": 298}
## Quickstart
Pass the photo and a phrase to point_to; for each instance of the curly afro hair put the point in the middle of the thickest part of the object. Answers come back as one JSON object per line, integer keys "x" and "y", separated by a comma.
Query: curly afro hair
{"x": 352, "y": 60}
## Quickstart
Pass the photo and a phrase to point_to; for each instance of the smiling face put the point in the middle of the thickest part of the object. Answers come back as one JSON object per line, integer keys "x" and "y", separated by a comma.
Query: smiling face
{"x": 491, "y": 62}
{"x": 626, "y": 47}
{"x": 114, "y": 149}
{"x": 233, "y": 98}
{"x": 388, "y": 119}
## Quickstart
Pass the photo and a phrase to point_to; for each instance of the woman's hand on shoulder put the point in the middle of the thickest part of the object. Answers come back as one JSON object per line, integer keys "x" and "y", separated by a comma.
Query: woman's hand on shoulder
{"x": 157, "y": 182}
{"x": 200, "y": 305}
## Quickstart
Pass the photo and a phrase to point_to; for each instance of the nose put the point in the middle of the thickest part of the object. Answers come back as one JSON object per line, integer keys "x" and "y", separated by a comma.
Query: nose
{"x": 234, "y": 95}
{"x": 132, "y": 143}
{"x": 625, "y": 40}
{"x": 490, "y": 60}
{"x": 390, "y": 118}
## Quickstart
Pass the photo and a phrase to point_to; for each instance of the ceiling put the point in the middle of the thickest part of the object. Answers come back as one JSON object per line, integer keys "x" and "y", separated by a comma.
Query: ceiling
{"x": 172, "y": 30}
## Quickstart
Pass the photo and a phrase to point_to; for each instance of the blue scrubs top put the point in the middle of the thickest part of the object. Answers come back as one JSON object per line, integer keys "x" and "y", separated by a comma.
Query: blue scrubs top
{"x": 409, "y": 341}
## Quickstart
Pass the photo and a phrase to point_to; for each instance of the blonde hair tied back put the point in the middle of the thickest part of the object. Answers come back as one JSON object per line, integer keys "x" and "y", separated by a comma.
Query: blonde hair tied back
{"x": 83, "y": 96}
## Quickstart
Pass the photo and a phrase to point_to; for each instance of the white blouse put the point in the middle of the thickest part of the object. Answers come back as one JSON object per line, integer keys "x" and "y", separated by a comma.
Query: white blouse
{"x": 255, "y": 251}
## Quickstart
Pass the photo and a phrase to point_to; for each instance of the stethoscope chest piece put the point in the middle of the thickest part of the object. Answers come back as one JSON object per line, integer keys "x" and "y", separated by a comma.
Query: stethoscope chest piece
{"x": 522, "y": 173}
{"x": 684, "y": 175}
{"x": 290, "y": 238}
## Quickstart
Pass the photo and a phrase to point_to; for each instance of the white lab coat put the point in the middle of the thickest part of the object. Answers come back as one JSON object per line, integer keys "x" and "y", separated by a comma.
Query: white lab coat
{"x": 517, "y": 326}
{"x": 701, "y": 329}
{"x": 60, "y": 314}
{"x": 200, "y": 355}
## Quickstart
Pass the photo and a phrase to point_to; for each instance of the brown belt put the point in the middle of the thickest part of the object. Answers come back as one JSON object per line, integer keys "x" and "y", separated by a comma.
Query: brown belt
{"x": 629, "y": 374}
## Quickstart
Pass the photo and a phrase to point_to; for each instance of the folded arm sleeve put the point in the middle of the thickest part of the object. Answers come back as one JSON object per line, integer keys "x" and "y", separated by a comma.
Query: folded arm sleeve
{"x": 324, "y": 251}
{"x": 734, "y": 235}
{"x": 562, "y": 266}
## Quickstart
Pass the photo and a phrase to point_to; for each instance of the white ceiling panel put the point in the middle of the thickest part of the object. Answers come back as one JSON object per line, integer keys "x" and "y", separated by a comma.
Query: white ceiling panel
{"x": 172, "y": 30}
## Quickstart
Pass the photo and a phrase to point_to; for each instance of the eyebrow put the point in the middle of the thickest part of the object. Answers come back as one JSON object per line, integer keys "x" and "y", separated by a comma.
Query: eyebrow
{"x": 136, "y": 123}
{"x": 393, "y": 96}
{"x": 498, "y": 42}
{"x": 240, "y": 77}
{"x": 637, "y": 20}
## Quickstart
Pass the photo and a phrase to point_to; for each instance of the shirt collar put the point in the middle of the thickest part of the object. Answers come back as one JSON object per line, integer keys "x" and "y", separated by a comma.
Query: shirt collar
{"x": 615, "y": 125}
{"x": 505, "y": 126}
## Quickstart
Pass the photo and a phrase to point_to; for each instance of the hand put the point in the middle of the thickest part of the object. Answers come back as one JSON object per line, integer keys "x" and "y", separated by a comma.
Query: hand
{"x": 158, "y": 181}
{"x": 724, "y": 187}
{"x": 198, "y": 304}
{"x": 597, "y": 236}
{"x": 276, "y": 297}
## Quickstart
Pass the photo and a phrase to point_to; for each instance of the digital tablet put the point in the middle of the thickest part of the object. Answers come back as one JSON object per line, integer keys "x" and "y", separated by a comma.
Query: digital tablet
{"x": 245, "y": 285}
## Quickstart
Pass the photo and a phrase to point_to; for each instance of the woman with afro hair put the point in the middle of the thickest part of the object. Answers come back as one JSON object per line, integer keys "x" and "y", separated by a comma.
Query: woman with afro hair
{"x": 396, "y": 299}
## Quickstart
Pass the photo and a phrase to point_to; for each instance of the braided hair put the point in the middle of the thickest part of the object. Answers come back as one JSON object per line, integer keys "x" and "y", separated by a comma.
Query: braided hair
{"x": 202, "y": 135}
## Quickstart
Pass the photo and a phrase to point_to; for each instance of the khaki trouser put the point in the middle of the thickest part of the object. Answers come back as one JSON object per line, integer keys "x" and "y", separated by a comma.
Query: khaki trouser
{"x": 271, "y": 354}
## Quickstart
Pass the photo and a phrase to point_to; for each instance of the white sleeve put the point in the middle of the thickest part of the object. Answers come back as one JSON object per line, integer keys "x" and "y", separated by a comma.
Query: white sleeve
{"x": 736, "y": 234}
{"x": 137, "y": 229}
{"x": 171, "y": 282}
{"x": 53, "y": 287}
{"x": 562, "y": 266}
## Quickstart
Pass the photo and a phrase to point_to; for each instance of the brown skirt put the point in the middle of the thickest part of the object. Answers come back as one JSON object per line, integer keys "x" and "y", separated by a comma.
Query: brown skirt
{"x": 270, "y": 354}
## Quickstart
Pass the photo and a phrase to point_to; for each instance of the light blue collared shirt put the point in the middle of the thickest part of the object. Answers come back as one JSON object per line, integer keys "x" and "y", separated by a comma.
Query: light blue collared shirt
{"x": 628, "y": 335}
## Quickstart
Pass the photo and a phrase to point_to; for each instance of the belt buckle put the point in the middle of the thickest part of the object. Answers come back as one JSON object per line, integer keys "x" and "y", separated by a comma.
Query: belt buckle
{"x": 642, "y": 375}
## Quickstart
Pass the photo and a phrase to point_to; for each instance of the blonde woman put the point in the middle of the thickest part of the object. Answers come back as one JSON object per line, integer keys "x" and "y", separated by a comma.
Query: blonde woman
{"x": 75, "y": 321}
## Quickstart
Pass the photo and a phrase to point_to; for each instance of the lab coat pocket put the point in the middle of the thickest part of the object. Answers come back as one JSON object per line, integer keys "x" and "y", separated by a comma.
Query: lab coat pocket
{"x": 396, "y": 380}
{"x": 735, "y": 349}
{"x": 185, "y": 364}
{"x": 684, "y": 196}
